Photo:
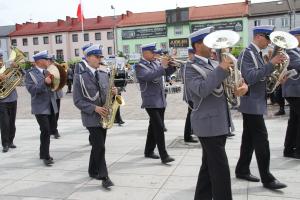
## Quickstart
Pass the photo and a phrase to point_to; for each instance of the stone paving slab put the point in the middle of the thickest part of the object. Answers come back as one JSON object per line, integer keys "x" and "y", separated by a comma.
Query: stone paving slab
{"x": 24, "y": 177}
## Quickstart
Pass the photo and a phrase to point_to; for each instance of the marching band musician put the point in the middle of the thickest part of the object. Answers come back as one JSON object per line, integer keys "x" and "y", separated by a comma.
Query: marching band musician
{"x": 89, "y": 95}
{"x": 8, "y": 111}
{"x": 43, "y": 102}
{"x": 210, "y": 117}
{"x": 291, "y": 91}
{"x": 149, "y": 72}
{"x": 187, "y": 127}
{"x": 253, "y": 106}
{"x": 80, "y": 66}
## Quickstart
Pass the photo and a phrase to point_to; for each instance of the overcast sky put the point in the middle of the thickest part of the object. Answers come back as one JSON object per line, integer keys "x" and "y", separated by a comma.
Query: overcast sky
{"x": 19, "y": 11}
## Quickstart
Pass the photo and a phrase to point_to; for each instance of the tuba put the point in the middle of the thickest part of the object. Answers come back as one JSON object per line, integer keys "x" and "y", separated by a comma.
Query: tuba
{"x": 221, "y": 41}
{"x": 112, "y": 104}
{"x": 282, "y": 41}
{"x": 13, "y": 74}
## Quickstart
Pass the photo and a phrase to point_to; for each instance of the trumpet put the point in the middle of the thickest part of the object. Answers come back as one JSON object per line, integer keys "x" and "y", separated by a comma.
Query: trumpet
{"x": 172, "y": 61}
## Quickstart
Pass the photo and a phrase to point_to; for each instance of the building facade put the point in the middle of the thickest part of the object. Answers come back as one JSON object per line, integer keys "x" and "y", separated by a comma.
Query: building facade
{"x": 5, "y": 41}
{"x": 283, "y": 14}
{"x": 65, "y": 38}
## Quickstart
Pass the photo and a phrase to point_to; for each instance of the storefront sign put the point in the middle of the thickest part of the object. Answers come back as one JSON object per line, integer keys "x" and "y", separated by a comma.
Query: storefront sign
{"x": 234, "y": 25}
{"x": 144, "y": 33}
{"x": 180, "y": 42}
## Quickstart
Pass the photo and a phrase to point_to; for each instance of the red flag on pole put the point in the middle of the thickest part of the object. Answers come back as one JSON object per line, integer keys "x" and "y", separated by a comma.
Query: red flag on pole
{"x": 79, "y": 13}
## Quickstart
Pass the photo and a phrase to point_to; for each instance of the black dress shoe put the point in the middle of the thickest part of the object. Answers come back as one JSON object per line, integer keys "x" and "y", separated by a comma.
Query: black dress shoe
{"x": 152, "y": 155}
{"x": 56, "y": 136}
{"x": 230, "y": 135}
{"x": 107, "y": 183}
{"x": 274, "y": 185}
{"x": 121, "y": 122}
{"x": 5, "y": 149}
{"x": 165, "y": 129}
{"x": 48, "y": 162}
{"x": 12, "y": 146}
{"x": 289, "y": 154}
{"x": 248, "y": 177}
{"x": 167, "y": 160}
{"x": 96, "y": 176}
{"x": 191, "y": 140}
{"x": 50, "y": 158}
{"x": 280, "y": 112}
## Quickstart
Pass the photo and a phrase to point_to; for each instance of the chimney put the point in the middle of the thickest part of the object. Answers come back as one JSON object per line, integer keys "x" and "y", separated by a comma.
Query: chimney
{"x": 39, "y": 24}
{"x": 68, "y": 19}
{"x": 248, "y": 2}
{"x": 99, "y": 19}
{"x": 123, "y": 16}
{"x": 18, "y": 27}
{"x": 73, "y": 21}
{"x": 128, "y": 13}
{"x": 60, "y": 22}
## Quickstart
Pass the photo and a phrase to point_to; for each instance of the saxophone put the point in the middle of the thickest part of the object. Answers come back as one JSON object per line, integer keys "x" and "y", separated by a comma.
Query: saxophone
{"x": 112, "y": 104}
{"x": 221, "y": 41}
{"x": 13, "y": 74}
{"x": 282, "y": 41}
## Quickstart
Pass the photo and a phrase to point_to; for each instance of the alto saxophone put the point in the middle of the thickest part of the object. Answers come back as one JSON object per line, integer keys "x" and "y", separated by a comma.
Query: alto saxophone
{"x": 111, "y": 103}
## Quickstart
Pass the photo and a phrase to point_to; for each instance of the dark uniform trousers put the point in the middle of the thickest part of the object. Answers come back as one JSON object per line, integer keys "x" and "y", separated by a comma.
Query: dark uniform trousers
{"x": 55, "y": 120}
{"x": 214, "y": 175}
{"x": 187, "y": 126}
{"x": 44, "y": 122}
{"x": 8, "y": 111}
{"x": 97, "y": 165}
{"x": 255, "y": 138}
{"x": 156, "y": 134}
{"x": 292, "y": 138}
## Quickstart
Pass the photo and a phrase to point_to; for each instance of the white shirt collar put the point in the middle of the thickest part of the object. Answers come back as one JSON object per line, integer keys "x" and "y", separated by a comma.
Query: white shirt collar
{"x": 93, "y": 70}
{"x": 201, "y": 58}
{"x": 145, "y": 60}
{"x": 256, "y": 47}
{"x": 40, "y": 69}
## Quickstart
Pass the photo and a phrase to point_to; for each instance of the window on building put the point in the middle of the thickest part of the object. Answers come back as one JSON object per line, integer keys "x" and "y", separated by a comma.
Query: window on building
{"x": 76, "y": 52}
{"x": 285, "y": 22}
{"x": 110, "y": 35}
{"x": 25, "y": 41}
{"x": 75, "y": 38}
{"x": 86, "y": 37}
{"x": 58, "y": 39}
{"x": 27, "y": 55}
{"x": 138, "y": 48}
{"x": 35, "y": 52}
{"x": 46, "y": 40}
{"x": 109, "y": 51}
{"x": 163, "y": 45}
{"x": 272, "y": 22}
{"x": 257, "y": 22}
{"x": 14, "y": 42}
{"x": 97, "y": 36}
{"x": 35, "y": 41}
{"x": 60, "y": 54}
{"x": 126, "y": 49}
{"x": 178, "y": 30}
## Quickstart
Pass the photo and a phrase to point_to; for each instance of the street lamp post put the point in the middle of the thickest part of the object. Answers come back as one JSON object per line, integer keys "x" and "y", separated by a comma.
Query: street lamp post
{"x": 114, "y": 30}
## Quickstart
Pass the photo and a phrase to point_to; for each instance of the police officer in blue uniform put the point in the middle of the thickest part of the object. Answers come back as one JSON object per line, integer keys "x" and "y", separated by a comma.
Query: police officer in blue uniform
{"x": 291, "y": 91}
{"x": 253, "y": 106}
{"x": 149, "y": 73}
{"x": 43, "y": 102}
{"x": 80, "y": 66}
{"x": 210, "y": 117}
{"x": 89, "y": 95}
{"x": 8, "y": 111}
{"x": 187, "y": 127}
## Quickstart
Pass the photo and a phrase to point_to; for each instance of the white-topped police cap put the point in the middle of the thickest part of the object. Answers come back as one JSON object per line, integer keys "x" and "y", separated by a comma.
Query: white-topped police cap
{"x": 51, "y": 56}
{"x": 149, "y": 47}
{"x": 41, "y": 55}
{"x": 93, "y": 50}
{"x": 86, "y": 46}
{"x": 295, "y": 31}
{"x": 266, "y": 29}
{"x": 199, "y": 35}
{"x": 158, "y": 51}
{"x": 191, "y": 50}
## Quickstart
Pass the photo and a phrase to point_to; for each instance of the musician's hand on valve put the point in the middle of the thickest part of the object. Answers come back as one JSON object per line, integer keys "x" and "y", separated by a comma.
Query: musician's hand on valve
{"x": 241, "y": 90}
{"x": 226, "y": 64}
{"x": 2, "y": 77}
{"x": 278, "y": 59}
{"x": 13, "y": 64}
{"x": 101, "y": 111}
{"x": 114, "y": 91}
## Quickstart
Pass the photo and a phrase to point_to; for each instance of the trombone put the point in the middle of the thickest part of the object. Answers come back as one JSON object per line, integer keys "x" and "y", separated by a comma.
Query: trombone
{"x": 172, "y": 61}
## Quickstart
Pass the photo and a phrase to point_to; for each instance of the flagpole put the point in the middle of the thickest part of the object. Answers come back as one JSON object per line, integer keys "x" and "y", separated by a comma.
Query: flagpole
{"x": 82, "y": 30}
